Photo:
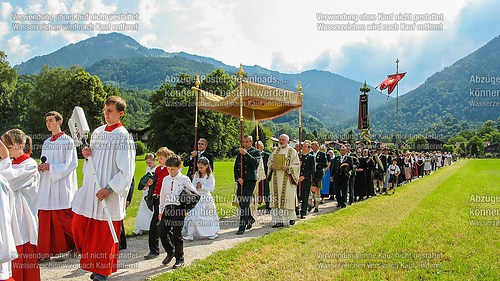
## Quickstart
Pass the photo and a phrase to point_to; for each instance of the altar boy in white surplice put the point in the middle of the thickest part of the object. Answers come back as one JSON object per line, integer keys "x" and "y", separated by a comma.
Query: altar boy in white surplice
{"x": 7, "y": 245}
{"x": 23, "y": 177}
{"x": 113, "y": 152}
{"x": 58, "y": 185}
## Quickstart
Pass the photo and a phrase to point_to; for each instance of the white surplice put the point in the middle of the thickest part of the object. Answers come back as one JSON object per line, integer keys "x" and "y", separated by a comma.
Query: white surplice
{"x": 23, "y": 180}
{"x": 59, "y": 184}
{"x": 7, "y": 245}
{"x": 144, "y": 214}
{"x": 113, "y": 154}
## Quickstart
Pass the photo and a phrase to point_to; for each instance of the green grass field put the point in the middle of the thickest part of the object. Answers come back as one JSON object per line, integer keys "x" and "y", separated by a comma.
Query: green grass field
{"x": 423, "y": 232}
{"x": 223, "y": 194}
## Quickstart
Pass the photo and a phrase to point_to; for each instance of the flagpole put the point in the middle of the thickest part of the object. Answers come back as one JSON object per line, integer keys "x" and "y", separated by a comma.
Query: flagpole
{"x": 299, "y": 90}
{"x": 397, "y": 99}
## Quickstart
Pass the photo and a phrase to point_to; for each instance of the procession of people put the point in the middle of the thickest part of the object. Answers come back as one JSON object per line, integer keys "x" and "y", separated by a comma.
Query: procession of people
{"x": 48, "y": 215}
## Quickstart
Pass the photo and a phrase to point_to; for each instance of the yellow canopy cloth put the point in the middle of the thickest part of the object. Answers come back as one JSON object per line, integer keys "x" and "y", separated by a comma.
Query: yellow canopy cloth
{"x": 260, "y": 102}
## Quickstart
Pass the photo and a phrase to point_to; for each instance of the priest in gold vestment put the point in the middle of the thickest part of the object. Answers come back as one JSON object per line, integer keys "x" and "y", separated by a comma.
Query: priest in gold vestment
{"x": 283, "y": 172}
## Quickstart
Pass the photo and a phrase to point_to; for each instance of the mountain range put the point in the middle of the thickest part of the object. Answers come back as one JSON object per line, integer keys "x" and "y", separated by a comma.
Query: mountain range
{"x": 467, "y": 92}
{"x": 329, "y": 98}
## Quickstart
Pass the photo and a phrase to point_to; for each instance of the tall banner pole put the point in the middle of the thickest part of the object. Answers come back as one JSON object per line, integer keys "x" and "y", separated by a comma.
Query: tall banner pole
{"x": 397, "y": 99}
{"x": 363, "y": 116}
{"x": 299, "y": 89}
{"x": 195, "y": 148}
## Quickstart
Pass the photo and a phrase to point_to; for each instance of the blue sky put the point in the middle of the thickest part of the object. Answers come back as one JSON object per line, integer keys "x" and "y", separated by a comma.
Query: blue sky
{"x": 279, "y": 35}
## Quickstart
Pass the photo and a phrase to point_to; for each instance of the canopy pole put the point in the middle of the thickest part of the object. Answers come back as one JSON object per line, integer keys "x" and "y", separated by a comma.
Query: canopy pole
{"x": 257, "y": 138}
{"x": 195, "y": 148}
{"x": 240, "y": 74}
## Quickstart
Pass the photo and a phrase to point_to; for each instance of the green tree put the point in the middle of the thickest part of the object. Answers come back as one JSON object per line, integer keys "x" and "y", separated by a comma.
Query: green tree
{"x": 307, "y": 135}
{"x": 265, "y": 134}
{"x": 140, "y": 148}
{"x": 8, "y": 80}
{"x": 487, "y": 128}
{"x": 453, "y": 140}
{"x": 475, "y": 147}
{"x": 467, "y": 134}
{"x": 62, "y": 89}
{"x": 448, "y": 148}
{"x": 418, "y": 143}
{"x": 172, "y": 117}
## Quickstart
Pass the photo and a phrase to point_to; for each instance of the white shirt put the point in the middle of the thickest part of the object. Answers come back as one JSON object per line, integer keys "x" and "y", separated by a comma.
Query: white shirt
{"x": 59, "y": 184}
{"x": 393, "y": 169}
{"x": 342, "y": 158}
{"x": 200, "y": 152}
{"x": 171, "y": 189}
{"x": 23, "y": 179}
{"x": 7, "y": 245}
{"x": 151, "y": 171}
{"x": 113, "y": 154}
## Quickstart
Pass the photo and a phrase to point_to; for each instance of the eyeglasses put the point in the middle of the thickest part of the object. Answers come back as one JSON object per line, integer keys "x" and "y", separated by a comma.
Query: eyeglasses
{"x": 201, "y": 143}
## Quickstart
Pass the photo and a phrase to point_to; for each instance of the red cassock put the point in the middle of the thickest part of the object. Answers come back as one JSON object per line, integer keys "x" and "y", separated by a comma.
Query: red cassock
{"x": 93, "y": 240}
{"x": 54, "y": 232}
{"x": 25, "y": 267}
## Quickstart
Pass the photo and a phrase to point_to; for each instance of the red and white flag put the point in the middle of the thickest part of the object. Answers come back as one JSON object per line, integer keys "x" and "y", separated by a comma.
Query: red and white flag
{"x": 391, "y": 82}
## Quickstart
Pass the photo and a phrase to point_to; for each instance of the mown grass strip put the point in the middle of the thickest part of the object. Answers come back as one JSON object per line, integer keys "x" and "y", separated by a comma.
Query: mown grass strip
{"x": 317, "y": 248}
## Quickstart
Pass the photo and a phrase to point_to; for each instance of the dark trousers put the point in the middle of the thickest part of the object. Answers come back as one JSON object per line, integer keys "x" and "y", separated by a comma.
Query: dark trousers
{"x": 244, "y": 196}
{"x": 341, "y": 189}
{"x": 332, "y": 189}
{"x": 153, "y": 228}
{"x": 123, "y": 239}
{"x": 305, "y": 189}
{"x": 170, "y": 231}
{"x": 267, "y": 193}
{"x": 351, "y": 188}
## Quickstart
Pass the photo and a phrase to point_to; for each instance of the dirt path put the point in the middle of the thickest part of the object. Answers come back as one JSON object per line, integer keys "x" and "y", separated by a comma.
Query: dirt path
{"x": 132, "y": 265}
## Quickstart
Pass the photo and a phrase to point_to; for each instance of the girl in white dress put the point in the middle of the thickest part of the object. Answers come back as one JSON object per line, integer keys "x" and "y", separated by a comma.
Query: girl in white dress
{"x": 427, "y": 164}
{"x": 144, "y": 214}
{"x": 202, "y": 221}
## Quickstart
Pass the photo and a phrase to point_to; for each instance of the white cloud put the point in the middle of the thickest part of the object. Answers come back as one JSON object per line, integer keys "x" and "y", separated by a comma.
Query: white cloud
{"x": 147, "y": 11}
{"x": 254, "y": 32}
{"x": 34, "y": 7}
{"x": 149, "y": 40}
{"x": 4, "y": 29}
{"x": 5, "y": 10}
{"x": 73, "y": 36}
{"x": 17, "y": 48}
{"x": 56, "y": 7}
{"x": 98, "y": 6}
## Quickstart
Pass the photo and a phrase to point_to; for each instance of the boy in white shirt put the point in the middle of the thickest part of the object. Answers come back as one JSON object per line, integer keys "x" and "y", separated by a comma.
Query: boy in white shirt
{"x": 393, "y": 172}
{"x": 171, "y": 214}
